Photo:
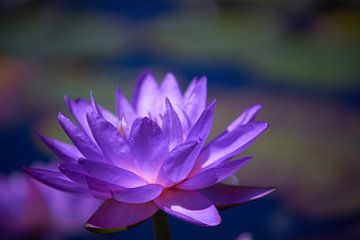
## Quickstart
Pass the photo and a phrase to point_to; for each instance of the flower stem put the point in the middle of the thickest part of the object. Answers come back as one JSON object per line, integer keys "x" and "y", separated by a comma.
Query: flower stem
{"x": 161, "y": 226}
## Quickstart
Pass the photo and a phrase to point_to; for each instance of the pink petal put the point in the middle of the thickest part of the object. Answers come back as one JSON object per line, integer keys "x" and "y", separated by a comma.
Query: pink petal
{"x": 190, "y": 206}
{"x": 223, "y": 195}
{"x": 113, "y": 216}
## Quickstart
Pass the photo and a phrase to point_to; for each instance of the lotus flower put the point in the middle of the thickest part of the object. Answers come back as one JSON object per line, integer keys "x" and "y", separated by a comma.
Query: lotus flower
{"x": 152, "y": 155}
{"x": 32, "y": 209}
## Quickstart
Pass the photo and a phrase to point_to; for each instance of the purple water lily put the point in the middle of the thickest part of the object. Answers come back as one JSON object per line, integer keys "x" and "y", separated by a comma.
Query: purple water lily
{"x": 152, "y": 155}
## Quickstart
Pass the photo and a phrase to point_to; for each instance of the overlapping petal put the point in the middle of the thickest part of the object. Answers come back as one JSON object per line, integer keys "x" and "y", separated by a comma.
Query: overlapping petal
{"x": 109, "y": 139}
{"x": 190, "y": 206}
{"x": 214, "y": 175}
{"x": 223, "y": 195}
{"x": 148, "y": 147}
{"x": 230, "y": 144}
{"x": 113, "y": 216}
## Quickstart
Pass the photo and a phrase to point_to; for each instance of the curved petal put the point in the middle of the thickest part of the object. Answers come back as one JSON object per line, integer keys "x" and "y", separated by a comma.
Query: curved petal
{"x": 190, "y": 206}
{"x": 214, "y": 175}
{"x": 178, "y": 164}
{"x": 171, "y": 90}
{"x": 230, "y": 144}
{"x": 247, "y": 116}
{"x": 114, "y": 216}
{"x": 78, "y": 108}
{"x": 148, "y": 146}
{"x": 66, "y": 152}
{"x": 195, "y": 98}
{"x": 138, "y": 194}
{"x": 202, "y": 127}
{"x": 123, "y": 108}
{"x": 148, "y": 94}
{"x": 223, "y": 195}
{"x": 111, "y": 173}
{"x": 73, "y": 172}
{"x": 55, "y": 180}
{"x": 114, "y": 147}
{"x": 80, "y": 139}
{"x": 171, "y": 126}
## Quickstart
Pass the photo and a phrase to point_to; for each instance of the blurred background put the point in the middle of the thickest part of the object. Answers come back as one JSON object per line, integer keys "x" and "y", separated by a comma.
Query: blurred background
{"x": 300, "y": 59}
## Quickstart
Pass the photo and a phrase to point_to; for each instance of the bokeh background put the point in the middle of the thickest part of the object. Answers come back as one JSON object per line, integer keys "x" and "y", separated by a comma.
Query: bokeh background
{"x": 300, "y": 59}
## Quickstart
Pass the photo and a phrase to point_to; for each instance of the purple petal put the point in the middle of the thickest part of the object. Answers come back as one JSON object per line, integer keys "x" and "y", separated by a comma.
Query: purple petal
{"x": 148, "y": 147}
{"x": 178, "y": 164}
{"x": 202, "y": 127}
{"x": 73, "y": 172}
{"x": 138, "y": 86}
{"x": 81, "y": 140}
{"x": 213, "y": 175}
{"x": 247, "y": 116}
{"x": 171, "y": 126}
{"x": 138, "y": 194}
{"x": 123, "y": 108}
{"x": 113, "y": 216}
{"x": 78, "y": 108}
{"x": 195, "y": 99}
{"x": 111, "y": 173}
{"x": 114, "y": 147}
{"x": 66, "y": 152}
{"x": 190, "y": 206}
{"x": 55, "y": 180}
{"x": 223, "y": 195}
{"x": 101, "y": 189}
{"x": 148, "y": 94}
{"x": 170, "y": 89}
{"x": 230, "y": 144}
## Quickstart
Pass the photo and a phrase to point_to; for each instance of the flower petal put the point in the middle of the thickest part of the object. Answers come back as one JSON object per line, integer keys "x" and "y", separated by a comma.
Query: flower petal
{"x": 78, "y": 108}
{"x": 247, "y": 116}
{"x": 114, "y": 147}
{"x": 202, "y": 127}
{"x": 170, "y": 89}
{"x": 81, "y": 140}
{"x": 148, "y": 94}
{"x": 195, "y": 98}
{"x": 190, "y": 206}
{"x": 223, "y": 195}
{"x": 171, "y": 126}
{"x": 55, "y": 180}
{"x": 114, "y": 216}
{"x": 138, "y": 194}
{"x": 66, "y": 152}
{"x": 214, "y": 175}
{"x": 123, "y": 108}
{"x": 148, "y": 146}
{"x": 230, "y": 144}
{"x": 178, "y": 164}
{"x": 111, "y": 173}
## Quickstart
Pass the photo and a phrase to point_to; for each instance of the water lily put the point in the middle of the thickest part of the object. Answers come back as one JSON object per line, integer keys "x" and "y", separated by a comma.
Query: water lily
{"x": 152, "y": 155}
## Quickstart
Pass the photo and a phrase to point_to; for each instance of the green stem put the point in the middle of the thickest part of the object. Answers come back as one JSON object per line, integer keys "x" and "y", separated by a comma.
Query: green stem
{"x": 161, "y": 226}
